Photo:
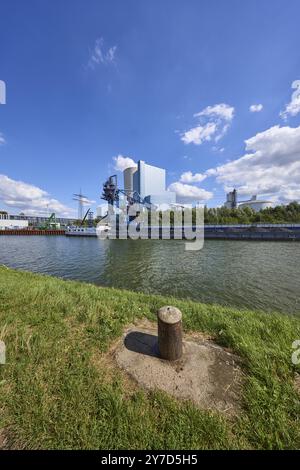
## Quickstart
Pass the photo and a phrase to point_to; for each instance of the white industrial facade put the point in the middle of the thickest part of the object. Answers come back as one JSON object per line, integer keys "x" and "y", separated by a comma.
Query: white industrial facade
{"x": 23, "y": 220}
{"x": 255, "y": 204}
{"x": 6, "y": 224}
{"x": 149, "y": 182}
{"x": 102, "y": 210}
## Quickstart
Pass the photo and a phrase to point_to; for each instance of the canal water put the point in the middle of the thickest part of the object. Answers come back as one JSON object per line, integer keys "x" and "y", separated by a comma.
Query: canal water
{"x": 256, "y": 275}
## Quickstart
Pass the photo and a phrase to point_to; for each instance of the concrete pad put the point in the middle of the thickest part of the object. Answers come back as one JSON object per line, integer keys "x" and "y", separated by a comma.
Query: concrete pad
{"x": 207, "y": 374}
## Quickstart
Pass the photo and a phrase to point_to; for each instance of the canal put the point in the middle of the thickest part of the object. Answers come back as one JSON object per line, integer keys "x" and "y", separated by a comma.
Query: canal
{"x": 256, "y": 275}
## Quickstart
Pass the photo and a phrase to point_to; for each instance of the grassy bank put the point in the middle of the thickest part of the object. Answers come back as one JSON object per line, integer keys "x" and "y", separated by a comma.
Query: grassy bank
{"x": 56, "y": 391}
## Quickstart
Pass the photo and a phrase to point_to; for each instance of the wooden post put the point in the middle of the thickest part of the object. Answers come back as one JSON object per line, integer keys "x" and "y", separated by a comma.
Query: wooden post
{"x": 169, "y": 333}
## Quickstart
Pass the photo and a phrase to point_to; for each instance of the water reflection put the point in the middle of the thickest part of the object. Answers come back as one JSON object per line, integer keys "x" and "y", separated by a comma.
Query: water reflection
{"x": 262, "y": 275}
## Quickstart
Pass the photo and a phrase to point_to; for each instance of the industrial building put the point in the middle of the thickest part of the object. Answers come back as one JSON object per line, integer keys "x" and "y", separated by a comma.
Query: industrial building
{"x": 255, "y": 204}
{"x": 102, "y": 210}
{"x": 231, "y": 200}
{"x": 149, "y": 182}
{"x": 11, "y": 221}
{"x": 143, "y": 184}
{"x": 7, "y": 223}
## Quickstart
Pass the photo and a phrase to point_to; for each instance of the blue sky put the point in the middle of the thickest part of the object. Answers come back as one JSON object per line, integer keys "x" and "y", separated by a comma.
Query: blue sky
{"x": 90, "y": 80}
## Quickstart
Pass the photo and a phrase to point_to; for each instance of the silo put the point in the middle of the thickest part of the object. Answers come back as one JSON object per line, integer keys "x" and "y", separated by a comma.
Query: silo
{"x": 128, "y": 178}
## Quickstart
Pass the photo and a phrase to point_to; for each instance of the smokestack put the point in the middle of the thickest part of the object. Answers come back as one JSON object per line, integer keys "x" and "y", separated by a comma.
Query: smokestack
{"x": 128, "y": 179}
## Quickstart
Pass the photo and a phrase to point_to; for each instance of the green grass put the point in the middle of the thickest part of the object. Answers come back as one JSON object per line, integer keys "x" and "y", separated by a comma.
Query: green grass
{"x": 53, "y": 394}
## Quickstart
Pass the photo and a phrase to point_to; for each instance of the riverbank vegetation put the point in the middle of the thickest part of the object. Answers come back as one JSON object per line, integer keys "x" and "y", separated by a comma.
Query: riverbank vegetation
{"x": 58, "y": 391}
{"x": 289, "y": 214}
{"x": 283, "y": 214}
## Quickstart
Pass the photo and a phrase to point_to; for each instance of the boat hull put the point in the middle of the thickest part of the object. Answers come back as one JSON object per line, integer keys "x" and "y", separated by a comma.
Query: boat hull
{"x": 85, "y": 231}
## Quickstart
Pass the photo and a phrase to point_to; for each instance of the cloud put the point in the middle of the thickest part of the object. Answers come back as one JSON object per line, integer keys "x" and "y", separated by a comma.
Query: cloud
{"x": 187, "y": 192}
{"x": 221, "y": 111}
{"x": 121, "y": 163}
{"x": 30, "y": 198}
{"x": 100, "y": 55}
{"x": 2, "y": 139}
{"x": 217, "y": 149}
{"x": 214, "y": 123}
{"x": 110, "y": 55}
{"x": 198, "y": 135}
{"x": 256, "y": 108}
{"x": 270, "y": 166}
{"x": 2, "y": 92}
{"x": 188, "y": 177}
{"x": 88, "y": 202}
{"x": 293, "y": 108}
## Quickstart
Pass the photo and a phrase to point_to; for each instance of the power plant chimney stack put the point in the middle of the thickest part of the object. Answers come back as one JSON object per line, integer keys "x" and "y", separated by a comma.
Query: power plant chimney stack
{"x": 128, "y": 179}
{"x": 234, "y": 199}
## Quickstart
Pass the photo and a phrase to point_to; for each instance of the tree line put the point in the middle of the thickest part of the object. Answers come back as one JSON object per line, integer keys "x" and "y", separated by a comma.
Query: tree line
{"x": 272, "y": 215}
{"x": 283, "y": 214}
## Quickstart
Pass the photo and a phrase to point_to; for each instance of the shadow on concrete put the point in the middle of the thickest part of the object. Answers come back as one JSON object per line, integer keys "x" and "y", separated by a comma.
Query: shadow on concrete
{"x": 142, "y": 343}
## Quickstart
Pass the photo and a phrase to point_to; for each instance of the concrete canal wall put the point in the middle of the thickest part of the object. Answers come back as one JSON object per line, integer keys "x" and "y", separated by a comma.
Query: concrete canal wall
{"x": 283, "y": 232}
{"x": 31, "y": 232}
{"x": 267, "y": 235}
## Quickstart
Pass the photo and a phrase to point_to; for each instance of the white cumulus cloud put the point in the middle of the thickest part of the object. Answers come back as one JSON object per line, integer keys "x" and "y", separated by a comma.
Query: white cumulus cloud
{"x": 214, "y": 123}
{"x": 189, "y": 177}
{"x": 187, "y": 192}
{"x": 256, "y": 108}
{"x": 221, "y": 111}
{"x": 270, "y": 166}
{"x": 30, "y": 198}
{"x": 198, "y": 135}
{"x": 293, "y": 108}
{"x": 2, "y": 139}
{"x": 121, "y": 162}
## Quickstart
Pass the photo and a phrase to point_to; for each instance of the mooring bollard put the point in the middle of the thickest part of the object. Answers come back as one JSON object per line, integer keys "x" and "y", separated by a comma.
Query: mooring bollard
{"x": 169, "y": 333}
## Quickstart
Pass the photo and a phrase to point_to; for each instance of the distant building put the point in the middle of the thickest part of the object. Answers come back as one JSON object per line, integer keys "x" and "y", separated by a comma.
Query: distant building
{"x": 7, "y": 223}
{"x": 253, "y": 203}
{"x": 149, "y": 182}
{"x": 231, "y": 200}
{"x": 102, "y": 210}
{"x": 22, "y": 220}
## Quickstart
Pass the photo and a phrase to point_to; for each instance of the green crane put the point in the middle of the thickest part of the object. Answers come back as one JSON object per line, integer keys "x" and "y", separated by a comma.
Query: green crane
{"x": 50, "y": 223}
